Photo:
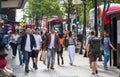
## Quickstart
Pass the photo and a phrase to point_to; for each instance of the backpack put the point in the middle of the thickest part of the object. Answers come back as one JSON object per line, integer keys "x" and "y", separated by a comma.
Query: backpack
{"x": 94, "y": 45}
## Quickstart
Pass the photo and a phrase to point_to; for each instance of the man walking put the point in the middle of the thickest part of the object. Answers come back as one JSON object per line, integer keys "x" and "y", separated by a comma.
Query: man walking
{"x": 106, "y": 44}
{"x": 93, "y": 48}
{"x": 36, "y": 50}
{"x": 27, "y": 44}
{"x": 52, "y": 45}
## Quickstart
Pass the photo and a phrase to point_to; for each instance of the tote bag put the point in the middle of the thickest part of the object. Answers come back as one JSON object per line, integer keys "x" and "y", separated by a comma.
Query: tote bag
{"x": 43, "y": 56}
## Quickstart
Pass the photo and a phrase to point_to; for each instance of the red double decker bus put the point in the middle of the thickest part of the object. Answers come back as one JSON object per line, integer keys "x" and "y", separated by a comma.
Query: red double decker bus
{"x": 113, "y": 7}
{"x": 56, "y": 22}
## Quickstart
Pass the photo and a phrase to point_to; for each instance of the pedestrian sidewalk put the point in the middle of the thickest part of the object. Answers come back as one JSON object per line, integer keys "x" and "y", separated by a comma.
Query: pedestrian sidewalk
{"x": 79, "y": 69}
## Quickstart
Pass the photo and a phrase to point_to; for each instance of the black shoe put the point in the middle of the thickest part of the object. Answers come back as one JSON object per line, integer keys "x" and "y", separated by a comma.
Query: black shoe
{"x": 96, "y": 71}
{"x": 52, "y": 68}
{"x": 47, "y": 66}
{"x": 100, "y": 60}
{"x": 21, "y": 63}
{"x": 58, "y": 62}
{"x": 62, "y": 62}
{"x": 93, "y": 73}
{"x": 71, "y": 64}
{"x": 36, "y": 67}
{"x": 26, "y": 70}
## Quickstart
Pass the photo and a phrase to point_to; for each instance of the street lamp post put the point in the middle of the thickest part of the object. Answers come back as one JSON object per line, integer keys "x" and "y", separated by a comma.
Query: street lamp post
{"x": 84, "y": 21}
{"x": 84, "y": 30}
{"x": 77, "y": 2}
{"x": 95, "y": 25}
{"x": 68, "y": 10}
{"x": 0, "y": 5}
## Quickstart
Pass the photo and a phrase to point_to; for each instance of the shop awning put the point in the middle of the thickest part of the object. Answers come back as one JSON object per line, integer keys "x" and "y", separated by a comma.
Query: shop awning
{"x": 113, "y": 8}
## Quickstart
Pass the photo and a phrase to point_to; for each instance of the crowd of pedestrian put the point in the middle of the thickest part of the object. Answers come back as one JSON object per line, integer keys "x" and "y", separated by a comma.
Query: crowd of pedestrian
{"x": 29, "y": 43}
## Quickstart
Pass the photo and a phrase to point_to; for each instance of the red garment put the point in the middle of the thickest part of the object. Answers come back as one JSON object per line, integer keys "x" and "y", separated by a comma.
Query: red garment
{"x": 3, "y": 62}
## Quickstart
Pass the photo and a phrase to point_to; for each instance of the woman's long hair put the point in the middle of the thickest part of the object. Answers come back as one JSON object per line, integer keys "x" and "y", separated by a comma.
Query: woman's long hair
{"x": 70, "y": 34}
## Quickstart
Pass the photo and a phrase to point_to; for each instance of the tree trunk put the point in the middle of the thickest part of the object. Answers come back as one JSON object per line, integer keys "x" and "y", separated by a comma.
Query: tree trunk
{"x": 104, "y": 17}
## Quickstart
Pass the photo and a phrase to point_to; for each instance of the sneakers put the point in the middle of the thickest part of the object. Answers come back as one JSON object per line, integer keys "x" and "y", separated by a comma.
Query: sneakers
{"x": 106, "y": 68}
{"x": 35, "y": 66}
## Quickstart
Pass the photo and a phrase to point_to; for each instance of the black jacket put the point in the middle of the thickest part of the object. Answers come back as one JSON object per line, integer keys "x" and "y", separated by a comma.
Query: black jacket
{"x": 23, "y": 42}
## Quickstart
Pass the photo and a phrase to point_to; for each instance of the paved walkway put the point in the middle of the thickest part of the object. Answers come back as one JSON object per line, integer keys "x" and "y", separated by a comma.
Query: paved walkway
{"x": 80, "y": 68}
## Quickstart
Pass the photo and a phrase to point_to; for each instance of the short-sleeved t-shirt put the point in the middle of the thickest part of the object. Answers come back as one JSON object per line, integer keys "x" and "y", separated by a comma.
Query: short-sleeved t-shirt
{"x": 38, "y": 39}
{"x": 89, "y": 40}
{"x": 106, "y": 45}
{"x": 94, "y": 48}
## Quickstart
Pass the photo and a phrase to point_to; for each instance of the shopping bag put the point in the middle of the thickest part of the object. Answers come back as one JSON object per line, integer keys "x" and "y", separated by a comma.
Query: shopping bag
{"x": 43, "y": 56}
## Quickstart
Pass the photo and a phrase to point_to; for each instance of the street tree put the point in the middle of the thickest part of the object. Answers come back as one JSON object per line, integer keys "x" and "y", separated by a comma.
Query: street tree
{"x": 36, "y": 9}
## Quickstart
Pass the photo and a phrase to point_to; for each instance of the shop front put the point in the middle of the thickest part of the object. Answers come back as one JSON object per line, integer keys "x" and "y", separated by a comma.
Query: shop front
{"x": 114, "y": 31}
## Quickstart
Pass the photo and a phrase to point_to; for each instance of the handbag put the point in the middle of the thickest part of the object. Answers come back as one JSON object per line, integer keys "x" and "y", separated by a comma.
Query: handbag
{"x": 43, "y": 56}
{"x": 3, "y": 52}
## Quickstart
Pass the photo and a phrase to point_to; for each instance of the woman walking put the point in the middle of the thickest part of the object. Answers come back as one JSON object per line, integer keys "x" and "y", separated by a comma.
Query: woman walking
{"x": 71, "y": 48}
{"x": 14, "y": 43}
{"x": 60, "y": 53}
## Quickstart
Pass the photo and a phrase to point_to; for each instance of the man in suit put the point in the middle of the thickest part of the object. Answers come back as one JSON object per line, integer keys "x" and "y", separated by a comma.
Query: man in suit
{"x": 27, "y": 44}
{"x": 52, "y": 45}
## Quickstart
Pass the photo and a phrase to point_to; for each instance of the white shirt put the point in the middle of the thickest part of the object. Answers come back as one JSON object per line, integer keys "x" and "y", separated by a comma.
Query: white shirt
{"x": 14, "y": 38}
{"x": 52, "y": 41}
{"x": 27, "y": 45}
{"x": 38, "y": 40}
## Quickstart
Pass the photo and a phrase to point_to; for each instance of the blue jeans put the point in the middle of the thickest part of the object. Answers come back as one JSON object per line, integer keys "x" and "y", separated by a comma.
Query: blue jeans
{"x": 20, "y": 56}
{"x": 51, "y": 57}
{"x": 27, "y": 56}
{"x": 106, "y": 59}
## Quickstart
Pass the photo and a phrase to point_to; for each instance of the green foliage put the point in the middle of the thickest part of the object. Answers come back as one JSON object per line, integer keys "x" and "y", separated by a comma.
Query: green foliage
{"x": 90, "y": 5}
{"x": 39, "y": 8}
